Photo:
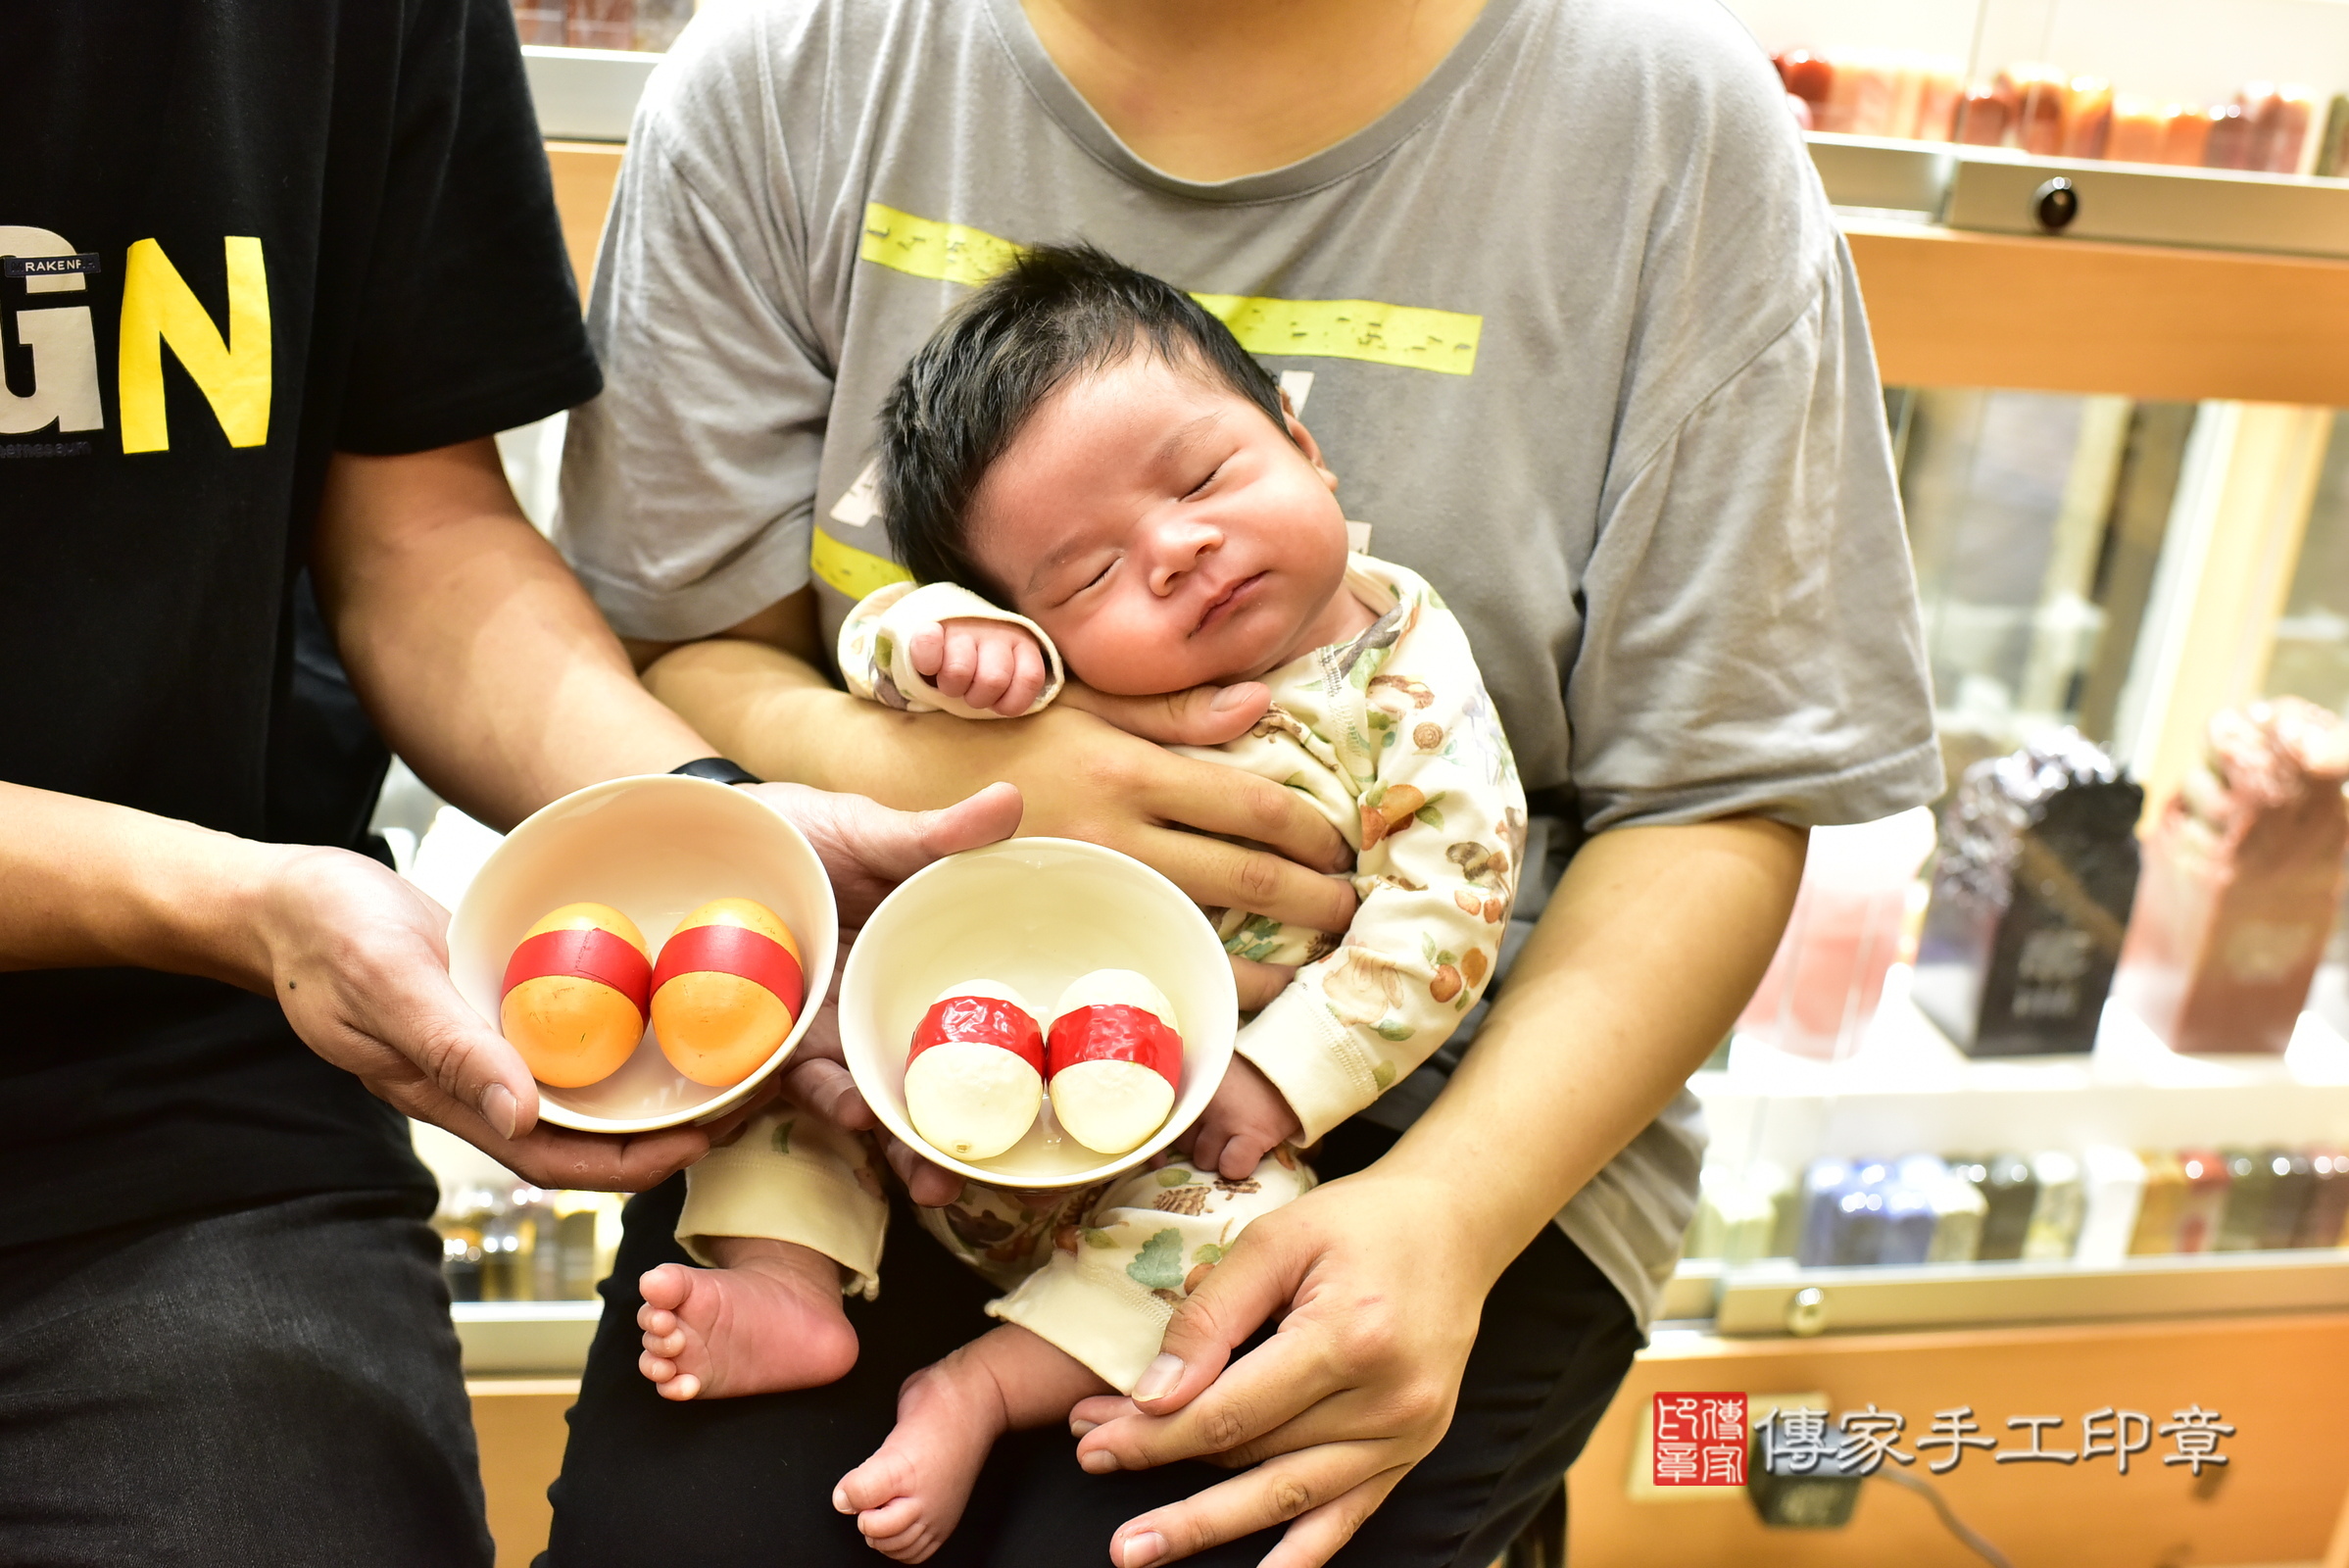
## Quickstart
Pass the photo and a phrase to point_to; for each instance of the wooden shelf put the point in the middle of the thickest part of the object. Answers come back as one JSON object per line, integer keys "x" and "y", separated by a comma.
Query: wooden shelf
{"x": 2276, "y": 1380}
{"x": 534, "y": 1339}
{"x": 584, "y": 173}
{"x": 1950, "y": 308}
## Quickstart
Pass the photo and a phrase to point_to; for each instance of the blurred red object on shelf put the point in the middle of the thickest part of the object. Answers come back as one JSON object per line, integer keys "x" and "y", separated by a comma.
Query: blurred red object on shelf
{"x": 2241, "y": 878}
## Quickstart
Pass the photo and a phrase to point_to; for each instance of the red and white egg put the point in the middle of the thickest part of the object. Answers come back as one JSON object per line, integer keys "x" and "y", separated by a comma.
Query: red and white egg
{"x": 974, "y": 1077}
{"x": 575, "y": 995}
{"x": 1113, "y": 1061}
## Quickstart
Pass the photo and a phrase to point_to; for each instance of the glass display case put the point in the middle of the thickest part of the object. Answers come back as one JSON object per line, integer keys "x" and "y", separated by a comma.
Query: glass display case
{"x": 1877, "y": 1163}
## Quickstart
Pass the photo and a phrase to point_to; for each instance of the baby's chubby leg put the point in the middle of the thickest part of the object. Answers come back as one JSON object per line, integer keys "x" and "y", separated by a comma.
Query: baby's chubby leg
{"x": 768, "y": 1318}
{"x": 910, "y": 1494}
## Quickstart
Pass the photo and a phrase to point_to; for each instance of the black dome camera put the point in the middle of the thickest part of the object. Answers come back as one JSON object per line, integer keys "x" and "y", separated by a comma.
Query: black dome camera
{"x": 2055, "y": 205}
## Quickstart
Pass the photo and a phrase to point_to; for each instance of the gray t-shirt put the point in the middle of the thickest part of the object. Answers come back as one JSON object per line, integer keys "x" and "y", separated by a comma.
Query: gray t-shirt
{"x": 1585, "y": 349}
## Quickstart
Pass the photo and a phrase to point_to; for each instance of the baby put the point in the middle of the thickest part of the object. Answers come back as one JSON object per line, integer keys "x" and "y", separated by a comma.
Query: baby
{"x": 1084, "y": 471}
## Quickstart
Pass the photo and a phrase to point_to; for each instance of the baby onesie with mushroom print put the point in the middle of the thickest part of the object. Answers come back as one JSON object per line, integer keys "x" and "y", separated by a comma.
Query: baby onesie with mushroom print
{"x": 1391, "y": 737}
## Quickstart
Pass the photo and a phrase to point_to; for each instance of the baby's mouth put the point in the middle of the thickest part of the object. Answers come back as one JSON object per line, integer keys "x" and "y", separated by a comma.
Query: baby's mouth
{"x": 1222, "y": 606}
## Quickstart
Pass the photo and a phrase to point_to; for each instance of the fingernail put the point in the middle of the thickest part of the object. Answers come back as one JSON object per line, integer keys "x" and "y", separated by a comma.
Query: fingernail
{"x": 1144, "y": 1550}
{"x": 840, "y": 1501}
{"x": 499, "y": 1110}
{"x": 1232, "y": 697}
{"x": 1159, "y": 1379}
{"x": 1078, "y": 1426}
{"x": 1098, "y": 1462}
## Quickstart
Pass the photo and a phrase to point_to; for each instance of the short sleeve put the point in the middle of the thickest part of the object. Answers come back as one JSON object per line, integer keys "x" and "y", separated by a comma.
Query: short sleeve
{"x": 1750, "y": 640}
{"x": 689, "y": 487}
{"x": 468, "y": 321}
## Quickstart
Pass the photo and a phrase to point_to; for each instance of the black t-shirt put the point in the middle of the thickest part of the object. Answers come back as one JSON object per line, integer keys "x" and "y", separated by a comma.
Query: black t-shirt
{"x": 239, "y": 235}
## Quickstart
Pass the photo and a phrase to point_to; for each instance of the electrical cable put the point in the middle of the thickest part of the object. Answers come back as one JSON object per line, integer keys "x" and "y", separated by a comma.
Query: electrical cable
{"x": 1948, "y": 1517}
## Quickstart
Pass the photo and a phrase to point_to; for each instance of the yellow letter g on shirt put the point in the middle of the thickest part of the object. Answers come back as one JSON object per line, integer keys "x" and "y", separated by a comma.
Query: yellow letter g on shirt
{"x": 159, "y": 307}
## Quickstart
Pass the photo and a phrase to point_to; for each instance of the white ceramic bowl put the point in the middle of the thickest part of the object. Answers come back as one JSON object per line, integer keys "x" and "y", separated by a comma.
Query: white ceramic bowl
{"x": 1034, "y": 913}
{"x": 655, "y": 849}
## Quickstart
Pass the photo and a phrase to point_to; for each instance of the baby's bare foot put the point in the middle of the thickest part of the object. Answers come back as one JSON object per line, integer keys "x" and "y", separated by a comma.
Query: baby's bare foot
{"x": 768, "y": 1321}
{"x": 910, "y": 1494}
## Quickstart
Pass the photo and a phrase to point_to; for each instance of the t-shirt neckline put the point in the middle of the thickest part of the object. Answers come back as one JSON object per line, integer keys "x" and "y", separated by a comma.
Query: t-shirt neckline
{"x": 1334, "y": 163}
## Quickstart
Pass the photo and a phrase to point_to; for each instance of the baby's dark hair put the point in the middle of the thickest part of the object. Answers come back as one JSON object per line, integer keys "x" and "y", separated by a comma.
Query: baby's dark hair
{"x": 1057, "y": 312}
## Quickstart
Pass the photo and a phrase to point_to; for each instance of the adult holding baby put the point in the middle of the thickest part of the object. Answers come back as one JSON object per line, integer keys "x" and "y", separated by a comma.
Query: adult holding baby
{"x": 1619, "y": 411}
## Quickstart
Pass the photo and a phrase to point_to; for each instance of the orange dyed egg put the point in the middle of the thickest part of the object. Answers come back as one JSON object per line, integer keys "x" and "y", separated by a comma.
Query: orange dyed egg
{"x": 576, "y": 991}
{"x": 726, "y": 991}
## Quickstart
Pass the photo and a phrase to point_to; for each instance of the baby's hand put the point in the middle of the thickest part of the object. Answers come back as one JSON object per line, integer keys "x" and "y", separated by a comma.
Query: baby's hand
{"x": 1247, "y": 1120}
{"x": 987, "y": 664}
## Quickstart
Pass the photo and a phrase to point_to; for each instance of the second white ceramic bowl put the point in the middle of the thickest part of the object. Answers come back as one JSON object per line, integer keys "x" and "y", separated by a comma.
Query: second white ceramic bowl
{"x": 1034, "y": 913}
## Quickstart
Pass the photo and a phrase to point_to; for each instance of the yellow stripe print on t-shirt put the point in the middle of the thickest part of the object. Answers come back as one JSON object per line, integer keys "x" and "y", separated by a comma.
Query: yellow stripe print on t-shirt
{"x": 1410, "y": 336}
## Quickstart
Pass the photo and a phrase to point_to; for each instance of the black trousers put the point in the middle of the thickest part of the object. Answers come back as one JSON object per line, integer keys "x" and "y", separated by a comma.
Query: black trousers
{"x": 749, "y": 1481}
{"x": 278, "y": 1385}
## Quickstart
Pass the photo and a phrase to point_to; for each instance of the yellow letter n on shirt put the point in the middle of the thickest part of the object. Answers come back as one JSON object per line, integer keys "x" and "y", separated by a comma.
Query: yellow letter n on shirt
{"x": 159, "y": 307}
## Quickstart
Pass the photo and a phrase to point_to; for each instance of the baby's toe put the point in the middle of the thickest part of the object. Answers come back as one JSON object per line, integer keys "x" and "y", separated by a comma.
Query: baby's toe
{"x": 892, "y": 1521}
{"x": 883, "y": 1479}
{"x": 915, "y": 1541}
{"x": 682, "y": 1387}
{"x": 665, "y": 1287}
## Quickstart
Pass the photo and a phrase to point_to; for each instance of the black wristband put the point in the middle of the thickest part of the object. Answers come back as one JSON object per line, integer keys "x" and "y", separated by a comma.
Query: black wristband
{"x": 718, "y": 770}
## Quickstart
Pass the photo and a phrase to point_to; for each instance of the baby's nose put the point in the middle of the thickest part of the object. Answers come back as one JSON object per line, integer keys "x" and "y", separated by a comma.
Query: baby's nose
{"x": 1180, "y": 544}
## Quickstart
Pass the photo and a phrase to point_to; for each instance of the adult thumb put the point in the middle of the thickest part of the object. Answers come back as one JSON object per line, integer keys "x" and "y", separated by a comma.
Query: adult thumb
{"x": 1203, "y": 716}
{"x": 1235, "y": 1298}
{"x": 990, "y": 815}
{"x": 470, "y": 1063}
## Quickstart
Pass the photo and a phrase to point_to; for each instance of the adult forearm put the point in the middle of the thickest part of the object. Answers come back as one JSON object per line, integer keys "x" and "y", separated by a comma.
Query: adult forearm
{"x": 478, "y": 654}
{"x": 770, "y": 710}
{"x": 84, "y": 882}
{"x": 777, "y": 715}
{"x": 1651, "y": 946}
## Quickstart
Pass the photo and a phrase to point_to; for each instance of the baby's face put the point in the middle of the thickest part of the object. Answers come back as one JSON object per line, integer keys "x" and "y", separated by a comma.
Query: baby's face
{"x": 1163, "y": 531}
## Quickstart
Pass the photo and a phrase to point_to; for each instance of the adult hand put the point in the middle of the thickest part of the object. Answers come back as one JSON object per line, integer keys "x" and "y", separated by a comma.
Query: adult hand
{"x": 1354, "y": 1388}
{"x": 1203, "y": 716}
{"x": 1084, "y": 778}
{"x": 359, "y": 958}
{"x": 868, "y": 848}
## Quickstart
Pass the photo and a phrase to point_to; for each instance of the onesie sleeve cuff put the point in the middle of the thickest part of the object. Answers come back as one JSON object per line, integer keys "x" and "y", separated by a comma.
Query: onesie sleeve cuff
{"x": 800, "y": 1194}
{"x": 1093, "y": 1311}
{"x": 876, "y": 640}
{"x": 1315, "y": 1062}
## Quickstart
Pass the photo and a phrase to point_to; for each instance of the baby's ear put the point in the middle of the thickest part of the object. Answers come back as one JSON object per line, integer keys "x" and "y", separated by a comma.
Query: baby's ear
{"x": 1304, "y": 441}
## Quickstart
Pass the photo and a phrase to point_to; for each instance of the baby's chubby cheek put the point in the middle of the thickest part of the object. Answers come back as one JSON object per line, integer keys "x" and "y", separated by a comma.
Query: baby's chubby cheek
{"x": 1125, "y": 661}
